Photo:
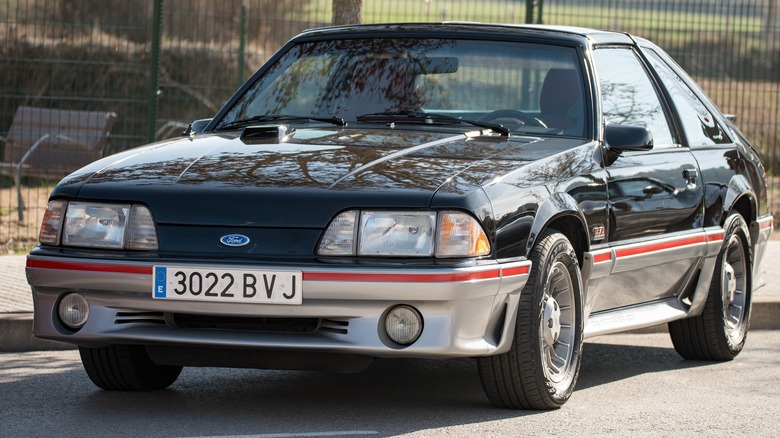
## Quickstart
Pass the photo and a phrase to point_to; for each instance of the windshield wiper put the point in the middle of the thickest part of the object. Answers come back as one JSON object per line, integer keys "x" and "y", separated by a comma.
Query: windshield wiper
{"x": 410, "y": 116}
{"x": 279, "y": 118}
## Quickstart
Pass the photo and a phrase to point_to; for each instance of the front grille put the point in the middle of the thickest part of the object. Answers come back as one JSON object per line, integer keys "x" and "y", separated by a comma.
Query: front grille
{"x": 259, "y": 324}
{"x": 334, "y": 326}
{"x": 138, "y": 317}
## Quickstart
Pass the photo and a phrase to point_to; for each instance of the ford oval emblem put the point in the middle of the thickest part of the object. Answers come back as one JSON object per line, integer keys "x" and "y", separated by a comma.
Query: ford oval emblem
{"x": 234, "y": 240}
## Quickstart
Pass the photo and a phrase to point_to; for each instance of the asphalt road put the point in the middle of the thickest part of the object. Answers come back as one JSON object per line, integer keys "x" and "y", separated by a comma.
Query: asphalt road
{"x": 630, "y": 385}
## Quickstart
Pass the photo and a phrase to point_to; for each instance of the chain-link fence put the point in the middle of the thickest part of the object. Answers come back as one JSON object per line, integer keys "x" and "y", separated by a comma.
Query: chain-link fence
{"x": 158, "y": 64}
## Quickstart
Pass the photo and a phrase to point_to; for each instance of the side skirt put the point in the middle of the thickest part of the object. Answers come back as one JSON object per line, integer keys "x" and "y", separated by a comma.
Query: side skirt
{"x": 634, "y": 317}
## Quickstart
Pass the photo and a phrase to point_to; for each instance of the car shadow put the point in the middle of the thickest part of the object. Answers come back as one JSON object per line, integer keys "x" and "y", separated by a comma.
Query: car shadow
{"x": 604, "y": 363}
{"x": 391, "y": 397}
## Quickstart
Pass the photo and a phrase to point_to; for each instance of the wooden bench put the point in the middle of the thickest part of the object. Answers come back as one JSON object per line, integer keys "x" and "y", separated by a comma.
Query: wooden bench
{"x": 52, "y": 143}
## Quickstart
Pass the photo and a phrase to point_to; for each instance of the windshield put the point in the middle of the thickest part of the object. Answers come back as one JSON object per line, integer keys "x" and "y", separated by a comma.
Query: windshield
{"x": 521, "y": 87}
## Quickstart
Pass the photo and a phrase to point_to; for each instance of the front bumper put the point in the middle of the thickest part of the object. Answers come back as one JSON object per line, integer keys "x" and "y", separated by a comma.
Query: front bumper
{"x": 468, "y": 311}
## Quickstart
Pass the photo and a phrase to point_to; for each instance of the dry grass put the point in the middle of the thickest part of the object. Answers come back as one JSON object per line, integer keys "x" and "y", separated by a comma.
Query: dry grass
{"x": 757, "y": 107}
{"x": 15, "y": 235}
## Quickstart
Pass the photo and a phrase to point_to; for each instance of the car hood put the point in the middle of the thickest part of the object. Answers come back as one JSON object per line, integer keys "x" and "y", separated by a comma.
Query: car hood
{"x": 302, "y": 180}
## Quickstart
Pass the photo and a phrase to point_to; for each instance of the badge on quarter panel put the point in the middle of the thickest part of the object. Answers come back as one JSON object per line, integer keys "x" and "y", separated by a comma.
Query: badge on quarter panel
{"x": 234, "y": 240}
{"x": 599, "y": 233}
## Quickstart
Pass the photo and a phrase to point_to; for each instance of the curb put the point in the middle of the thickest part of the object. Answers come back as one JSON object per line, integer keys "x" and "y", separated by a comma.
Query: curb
{"x": 765, "y": 315}
{"x": 16, "y": 335}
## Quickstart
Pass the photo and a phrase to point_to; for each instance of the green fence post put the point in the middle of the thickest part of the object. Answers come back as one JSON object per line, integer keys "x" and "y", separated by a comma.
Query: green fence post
{"x": 529, "y": 11}
{"x": 241, "y": 45}
{"x": 154, "y": 72}
{"x": 539, "y": 12}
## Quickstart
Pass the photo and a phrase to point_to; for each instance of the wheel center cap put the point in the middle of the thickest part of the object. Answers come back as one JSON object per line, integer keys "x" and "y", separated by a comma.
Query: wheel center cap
{"x": 731, "y": 282}
{"x": 552, "y": 321}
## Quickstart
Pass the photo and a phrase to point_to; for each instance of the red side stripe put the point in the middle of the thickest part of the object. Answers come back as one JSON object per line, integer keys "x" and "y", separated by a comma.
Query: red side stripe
{"x": 400, "y": 278}
{"x": 520, "y": 270}
{"x": 307, "y": 276}
{"x": 607, "y": 256}
{"x": 94, "y": 267}
{"x": 660, "y": 246}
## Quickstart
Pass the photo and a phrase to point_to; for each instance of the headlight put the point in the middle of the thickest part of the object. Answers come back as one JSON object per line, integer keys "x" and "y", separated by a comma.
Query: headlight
{"x": 404, "y": 234}
{"x": 97, "y": 225}
{"x": 396, "y": 233}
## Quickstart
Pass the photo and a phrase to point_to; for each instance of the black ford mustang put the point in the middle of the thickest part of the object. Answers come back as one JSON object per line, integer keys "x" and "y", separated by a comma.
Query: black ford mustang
{"x": 421, "y": 190}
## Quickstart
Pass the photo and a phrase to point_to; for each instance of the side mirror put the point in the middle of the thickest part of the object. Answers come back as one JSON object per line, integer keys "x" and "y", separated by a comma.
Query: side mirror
{"x": 628, "y": 138}
{"x": 196, "y": 127}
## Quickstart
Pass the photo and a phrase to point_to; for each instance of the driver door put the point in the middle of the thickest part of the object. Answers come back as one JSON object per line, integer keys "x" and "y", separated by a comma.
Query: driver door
{"x": 655, "y": 196}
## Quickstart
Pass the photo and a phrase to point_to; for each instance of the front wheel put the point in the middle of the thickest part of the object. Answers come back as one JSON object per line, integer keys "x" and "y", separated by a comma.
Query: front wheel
{"x": 126, "y": 368}
{"x": 540, "y": 370}
{"x": 719, "y": 333}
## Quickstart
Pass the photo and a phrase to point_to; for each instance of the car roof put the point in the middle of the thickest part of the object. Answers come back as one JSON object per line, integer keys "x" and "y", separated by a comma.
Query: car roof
{"x": 572, "y": 33}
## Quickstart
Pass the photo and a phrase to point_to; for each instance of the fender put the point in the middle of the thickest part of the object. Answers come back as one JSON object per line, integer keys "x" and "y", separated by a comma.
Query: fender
{"x": 737, "y": 188}
{"x": 556, "y": 206}
{"x": 708, "y": 266}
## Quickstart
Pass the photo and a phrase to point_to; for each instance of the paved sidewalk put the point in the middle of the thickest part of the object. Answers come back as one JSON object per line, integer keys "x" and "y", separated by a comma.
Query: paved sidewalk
{"x": 16, "y": 303}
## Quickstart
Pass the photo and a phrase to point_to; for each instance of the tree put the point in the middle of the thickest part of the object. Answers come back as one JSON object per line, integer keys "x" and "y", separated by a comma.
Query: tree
{"x": 347, "y": 11}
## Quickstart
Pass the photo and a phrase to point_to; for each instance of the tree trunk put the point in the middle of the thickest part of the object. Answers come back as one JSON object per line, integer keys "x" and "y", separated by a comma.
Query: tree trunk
{"x": 347, "y": 11}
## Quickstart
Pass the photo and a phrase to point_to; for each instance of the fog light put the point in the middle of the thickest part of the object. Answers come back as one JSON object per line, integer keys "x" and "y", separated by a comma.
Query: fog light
{"x": 73, "y": 310}
{"x": 403, "y": 324}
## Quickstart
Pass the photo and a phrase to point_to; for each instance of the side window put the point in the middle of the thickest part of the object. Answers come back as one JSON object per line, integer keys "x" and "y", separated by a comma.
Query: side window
{"x": 627, "y": 95}
{"x": 701, "y": 128}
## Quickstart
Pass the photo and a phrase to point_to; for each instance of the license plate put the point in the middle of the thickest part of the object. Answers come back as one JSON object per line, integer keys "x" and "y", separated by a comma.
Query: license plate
{"x": 227, "y": 285}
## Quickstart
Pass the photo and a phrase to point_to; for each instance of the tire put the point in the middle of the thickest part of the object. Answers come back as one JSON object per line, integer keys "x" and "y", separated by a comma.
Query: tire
{"x": 541, "y": 367}
{"x": 720, "y": 332}
{"x": 126, "y": 368}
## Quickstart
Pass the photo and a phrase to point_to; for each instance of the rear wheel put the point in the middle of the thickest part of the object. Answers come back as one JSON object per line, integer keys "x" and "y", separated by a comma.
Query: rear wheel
{"x": 719, "y": 333}
{"x": 540, "y": 370}
{"x": 126, "y": 368}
